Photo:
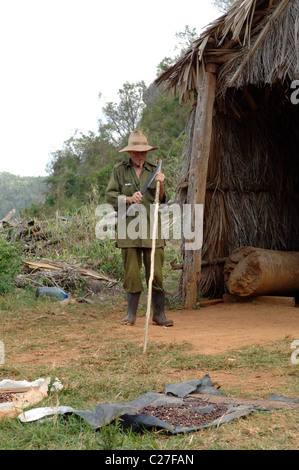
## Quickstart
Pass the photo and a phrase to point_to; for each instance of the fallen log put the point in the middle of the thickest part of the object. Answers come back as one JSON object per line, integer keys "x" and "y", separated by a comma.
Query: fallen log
{"x": 251, "y": 271}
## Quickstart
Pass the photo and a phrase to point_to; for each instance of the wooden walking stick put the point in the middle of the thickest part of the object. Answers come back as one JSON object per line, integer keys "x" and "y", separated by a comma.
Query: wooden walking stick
{"x": 150, "y": 282}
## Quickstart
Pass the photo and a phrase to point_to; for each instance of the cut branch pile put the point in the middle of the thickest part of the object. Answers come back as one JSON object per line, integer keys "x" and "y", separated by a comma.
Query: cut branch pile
{"x": 33, "y": 236}
{"x": 61, "y": 274}
{"x": 59, "y": 238}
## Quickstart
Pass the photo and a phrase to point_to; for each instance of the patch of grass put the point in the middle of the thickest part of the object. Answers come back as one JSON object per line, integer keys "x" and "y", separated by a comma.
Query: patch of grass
{"x": 78, "y": 344}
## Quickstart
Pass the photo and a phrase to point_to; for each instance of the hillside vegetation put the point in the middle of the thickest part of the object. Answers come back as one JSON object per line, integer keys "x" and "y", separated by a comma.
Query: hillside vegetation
{"x": 18, "y": 192}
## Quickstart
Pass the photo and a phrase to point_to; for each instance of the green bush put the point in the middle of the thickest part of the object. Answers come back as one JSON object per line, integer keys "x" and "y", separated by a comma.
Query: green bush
{"x": 108, "y": 256}
{"x": 10, "y": 263}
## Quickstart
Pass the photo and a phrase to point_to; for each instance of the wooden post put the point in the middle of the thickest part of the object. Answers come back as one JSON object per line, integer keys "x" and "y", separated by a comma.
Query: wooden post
{"x": 201, "y": 146}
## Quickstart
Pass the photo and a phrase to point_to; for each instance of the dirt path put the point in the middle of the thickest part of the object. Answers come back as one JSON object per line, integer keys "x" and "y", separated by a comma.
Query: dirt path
{"x": 219, "y": 328}
{"x": 210, "y": 330}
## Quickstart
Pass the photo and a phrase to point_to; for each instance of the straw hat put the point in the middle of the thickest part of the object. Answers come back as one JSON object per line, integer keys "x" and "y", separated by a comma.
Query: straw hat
{"x": 137, "y": 143}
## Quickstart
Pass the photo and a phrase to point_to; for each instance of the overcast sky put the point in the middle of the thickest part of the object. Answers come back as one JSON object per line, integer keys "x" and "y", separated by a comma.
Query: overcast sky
{"x": 58, "y": 55}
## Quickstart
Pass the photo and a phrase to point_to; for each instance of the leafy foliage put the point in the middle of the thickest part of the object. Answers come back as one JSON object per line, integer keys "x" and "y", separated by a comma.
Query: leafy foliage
{"x": 164, "y": 124}
{"x": 123, "y": 117}
{"x": 79, "y": 172}
{"x": 10, "y": 263}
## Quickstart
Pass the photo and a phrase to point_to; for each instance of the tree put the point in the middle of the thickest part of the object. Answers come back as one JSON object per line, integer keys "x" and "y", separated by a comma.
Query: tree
{"x": 164, "y": 124}
{"x": 185, "y": 38}
{"x": 223, "y": 5}
{"x": 164, "y": 65}
{"x": 123, "y": 117}
{"x": 79, "y": 169}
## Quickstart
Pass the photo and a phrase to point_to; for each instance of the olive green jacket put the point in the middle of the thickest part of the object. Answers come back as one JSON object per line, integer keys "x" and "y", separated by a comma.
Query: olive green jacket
{"x": 123, "y": 183}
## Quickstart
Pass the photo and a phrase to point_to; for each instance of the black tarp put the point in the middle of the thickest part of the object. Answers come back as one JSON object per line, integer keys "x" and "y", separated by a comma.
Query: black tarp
{"x": 129, "y": 414}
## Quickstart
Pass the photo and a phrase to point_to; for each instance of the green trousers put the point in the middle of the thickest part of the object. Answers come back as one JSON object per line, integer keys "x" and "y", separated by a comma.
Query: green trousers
{"x": 132, "y": 259}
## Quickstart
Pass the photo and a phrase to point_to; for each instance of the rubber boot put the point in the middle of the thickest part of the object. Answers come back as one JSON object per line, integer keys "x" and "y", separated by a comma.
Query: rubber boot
{"x": 133, "y": 300}
{"x": 158, "y": 300}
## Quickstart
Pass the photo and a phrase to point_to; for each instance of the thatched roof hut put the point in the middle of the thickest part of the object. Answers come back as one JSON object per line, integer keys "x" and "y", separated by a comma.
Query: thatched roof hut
{"x": 242, "y": 157}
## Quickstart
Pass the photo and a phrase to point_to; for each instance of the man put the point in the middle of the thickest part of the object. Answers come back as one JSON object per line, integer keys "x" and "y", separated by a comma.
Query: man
{"x": 125, "y": 184}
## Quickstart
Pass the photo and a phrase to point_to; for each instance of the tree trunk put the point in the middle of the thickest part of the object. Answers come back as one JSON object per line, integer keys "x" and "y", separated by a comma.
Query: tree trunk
{"x": 253, "y": 271}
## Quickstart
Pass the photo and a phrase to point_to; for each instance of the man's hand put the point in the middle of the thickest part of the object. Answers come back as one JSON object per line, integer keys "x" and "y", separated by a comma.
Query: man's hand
{"x": 136, "y": 198}
{"x": 160, "y": 177}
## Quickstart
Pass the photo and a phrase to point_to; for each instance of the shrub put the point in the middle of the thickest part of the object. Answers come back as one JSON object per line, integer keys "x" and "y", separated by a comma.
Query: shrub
{"x": 10, "y": 263}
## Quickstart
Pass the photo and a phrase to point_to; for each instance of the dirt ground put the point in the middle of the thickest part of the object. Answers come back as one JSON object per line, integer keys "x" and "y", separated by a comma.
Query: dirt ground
{"x": 219, "y": 328}
{"x": 209, "y": 330}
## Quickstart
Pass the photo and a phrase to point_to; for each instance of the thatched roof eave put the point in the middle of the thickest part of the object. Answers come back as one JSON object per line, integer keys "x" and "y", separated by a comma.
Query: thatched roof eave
{"x": 256, "y": 42}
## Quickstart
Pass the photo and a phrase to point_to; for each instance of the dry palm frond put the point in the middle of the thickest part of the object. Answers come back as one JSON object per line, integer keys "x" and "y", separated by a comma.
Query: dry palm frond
{"x": 246, "y": 38}
{"x": 260, "y": 38}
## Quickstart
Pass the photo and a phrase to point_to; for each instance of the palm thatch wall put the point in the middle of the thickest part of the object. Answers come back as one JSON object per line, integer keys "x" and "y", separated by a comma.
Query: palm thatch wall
{"x": 252, "y": 184}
